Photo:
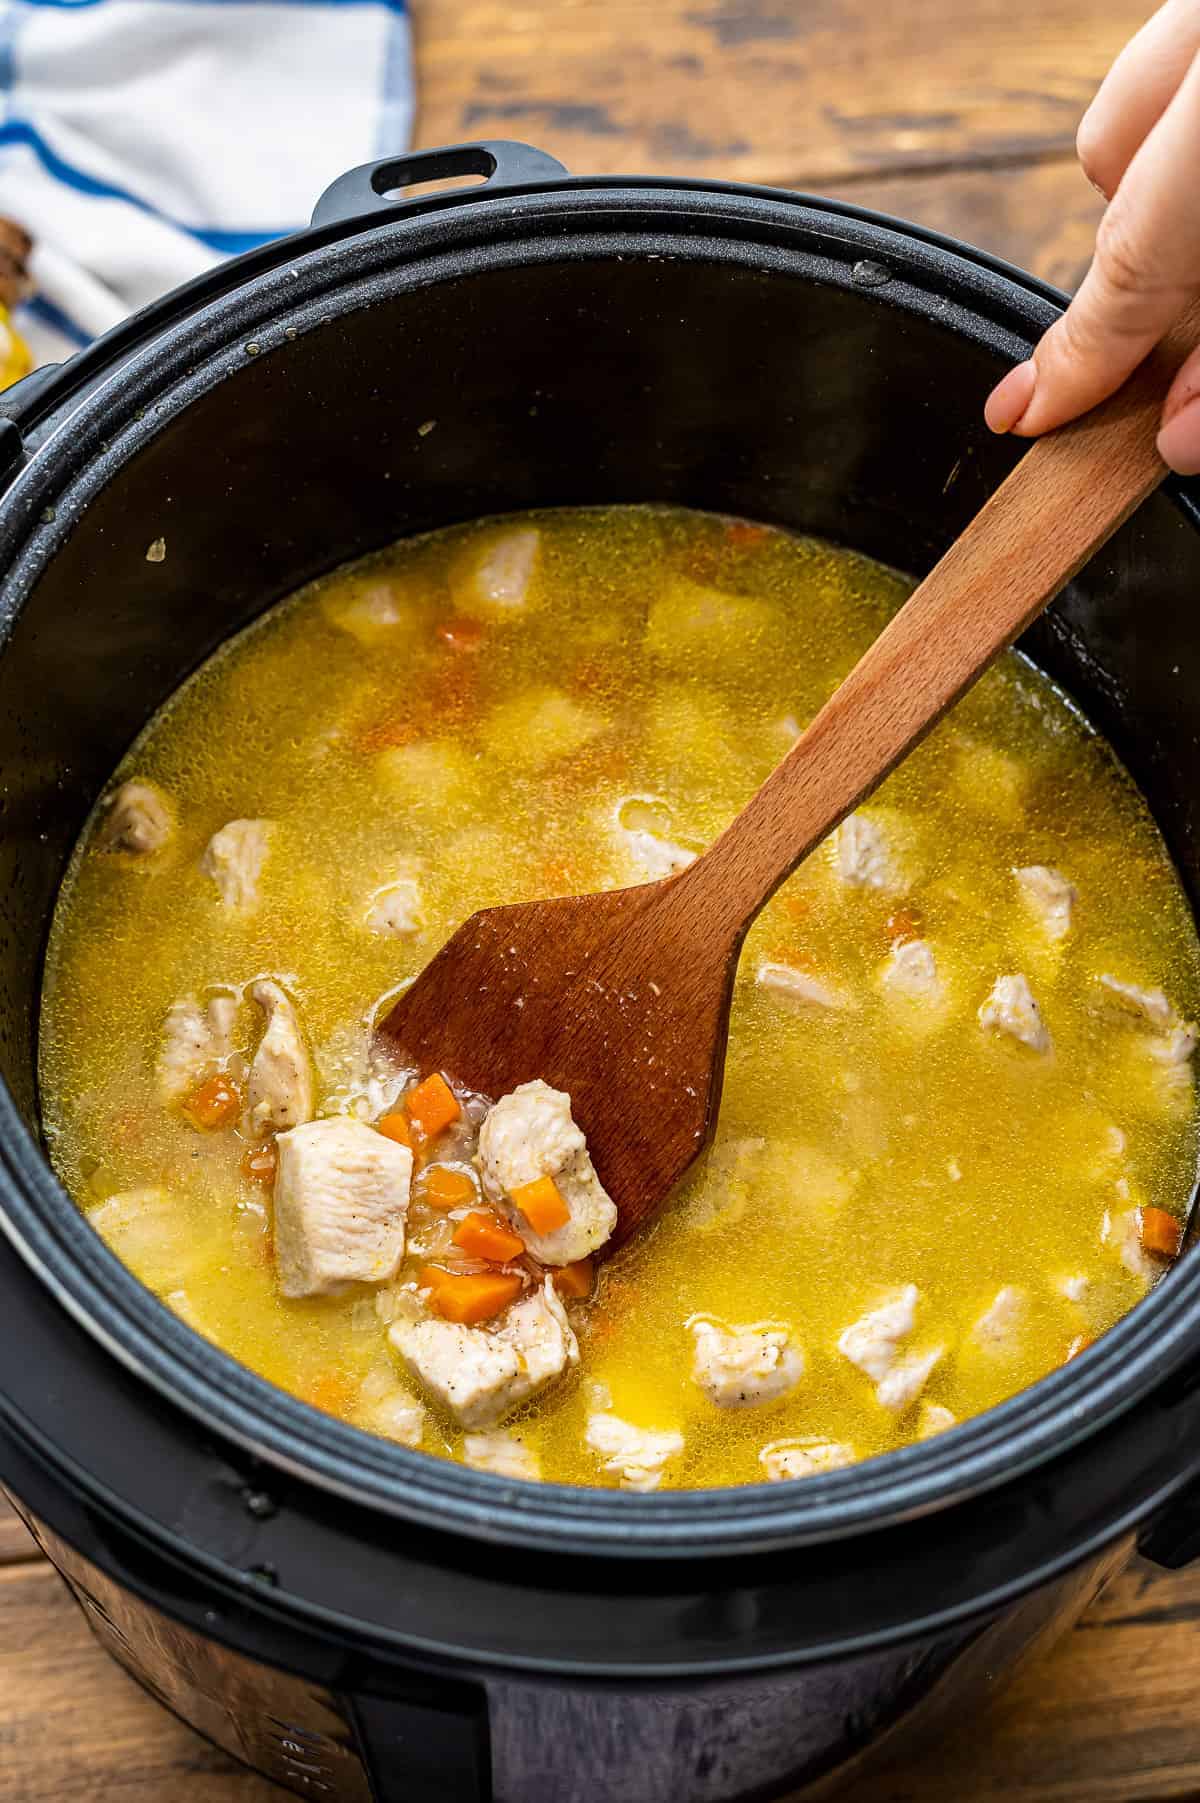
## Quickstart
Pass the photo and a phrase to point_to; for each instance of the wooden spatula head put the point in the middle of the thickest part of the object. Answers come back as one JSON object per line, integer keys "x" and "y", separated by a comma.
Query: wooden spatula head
{"x": 542, "y": 989}
{"x": 622, "y": 999}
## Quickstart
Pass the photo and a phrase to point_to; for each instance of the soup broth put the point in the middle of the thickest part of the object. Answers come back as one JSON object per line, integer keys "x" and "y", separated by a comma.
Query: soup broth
{"x": 958, "y": 1084}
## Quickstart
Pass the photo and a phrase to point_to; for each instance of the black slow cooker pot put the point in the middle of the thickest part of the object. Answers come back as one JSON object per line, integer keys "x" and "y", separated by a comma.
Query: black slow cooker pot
{"x": 354, "y": 1619}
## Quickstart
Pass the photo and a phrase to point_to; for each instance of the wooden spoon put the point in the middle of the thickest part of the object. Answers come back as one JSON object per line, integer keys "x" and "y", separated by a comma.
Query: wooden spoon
{"x": 623, "y": 998}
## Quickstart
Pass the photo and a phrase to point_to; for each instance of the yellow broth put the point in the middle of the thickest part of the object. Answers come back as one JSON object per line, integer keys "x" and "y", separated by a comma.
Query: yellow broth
{"x": 670, "y": 657}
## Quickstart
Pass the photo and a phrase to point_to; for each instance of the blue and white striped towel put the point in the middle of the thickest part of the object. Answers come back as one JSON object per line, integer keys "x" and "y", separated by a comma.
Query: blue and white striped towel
{"x": 144, "y": 140}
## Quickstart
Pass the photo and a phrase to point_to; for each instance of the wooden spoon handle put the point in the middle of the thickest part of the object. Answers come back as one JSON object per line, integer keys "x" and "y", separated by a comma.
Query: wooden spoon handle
{"x": 1068, "y": 494}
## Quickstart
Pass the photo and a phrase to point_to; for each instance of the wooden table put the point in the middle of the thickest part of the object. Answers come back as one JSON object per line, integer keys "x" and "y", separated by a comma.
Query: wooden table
{"x": 956, "y": 113}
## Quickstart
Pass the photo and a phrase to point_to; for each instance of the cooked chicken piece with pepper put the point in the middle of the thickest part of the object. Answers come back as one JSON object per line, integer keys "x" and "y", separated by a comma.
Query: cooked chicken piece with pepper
{"x": 740, "y": 1366}
{"x": 534, "y": 1161}
{"x": 196, "y": 1041}
{"x": 1011, "y": 1009}
{"x": 636, "y": 1456}
{"x": 341, "y": 1201}
{"x": 483, "y": 1374}
{"x": 280, "y": 1090}
{"x": 234, "y": 858}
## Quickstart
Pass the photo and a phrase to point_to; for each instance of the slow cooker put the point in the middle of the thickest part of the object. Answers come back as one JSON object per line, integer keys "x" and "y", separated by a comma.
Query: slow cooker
{"x": 353, "y": 1619}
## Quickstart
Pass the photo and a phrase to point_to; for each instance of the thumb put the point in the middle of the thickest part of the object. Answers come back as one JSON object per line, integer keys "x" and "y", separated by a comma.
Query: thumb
{"x": 1145, "y": 270}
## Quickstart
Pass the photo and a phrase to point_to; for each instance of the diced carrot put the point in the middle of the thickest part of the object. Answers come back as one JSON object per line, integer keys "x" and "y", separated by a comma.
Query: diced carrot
{"x": 213, "y": 1103}
{"x": 555, "y": 877}
{"x": 484, "y": 1235}
{"x": 260, "y": 1164}
{"x": 442, "y": 1187}
{"x": 903, "y": 923}
{"x": 432, "y": 1106}
{"x": 1079, "y": 1344}
{"x": 382, "y": 735}
{"x": 745, "y": 532}
{"x": 460, "y": 633}
{"x": 542, "y": 1205}
{"x": 468, "y": 1298}
{"x": 332, "y": 1392}
{"x": 397, "y": 1127}
{"x": 1161, "y": 1233}
{"x": 575, "y": 1281}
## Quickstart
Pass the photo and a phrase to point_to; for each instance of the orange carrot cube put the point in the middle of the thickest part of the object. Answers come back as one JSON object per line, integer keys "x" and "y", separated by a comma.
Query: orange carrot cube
{"x": 396, "y": 1126}
{"x": 460, "y": 633}
{"x": 260, "y": 1163}
{"x": 542, "y": 1205}
{"x": 443, "y": 1187}
{"x": 469, "y": 1297}
{"x": 214, "y": 1103}
{"x": 575, "y": 1281}
{"x": 432, "y": 1106}
{"x": 484, "y": 1235}
{"x": 1161, "y": 1233}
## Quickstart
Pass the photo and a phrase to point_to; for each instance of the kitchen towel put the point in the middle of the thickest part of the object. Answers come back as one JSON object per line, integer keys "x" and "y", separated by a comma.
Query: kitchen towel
{"x": 142, "y": 141}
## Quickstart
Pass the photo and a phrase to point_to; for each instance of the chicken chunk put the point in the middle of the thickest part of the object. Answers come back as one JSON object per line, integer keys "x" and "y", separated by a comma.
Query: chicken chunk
{"x": 196, "y": 1042}
{"x": 643, "y": 826}
{"x": 865, "y": 858}
{"x": 906, "y": 1379}
{"x": 1122, "y": 1233}
{"x": 396, "y": 912}
{"x": 482, "y": 1375}
{"x": 341, "y": 1200}
{"x": 911, "y": 971}
{"x": 873, "y": 1341}
{"x": 280, "y": 1090}
{"x": 1011, "y": 1009}
{"x": 873, "y": 1344}
{"x": 502, "y": 576}
{"x": 788, "y": 1459}
{"x": 1151, "y": 1005}
{"x": 531, "y": 1134}
{"x": 635, "y": 1456}
{"x": 1049, "y": 897}
{"x": 934, "y": 1419}
{"x": 740, "y": 1366}
{"x": 998, "y": 1328}
{"x": 502, "y": 1454}
{"x": 794, "y": 985}
{"x": 655, "y": 857}
{"x": 1075, "y": 1287}
{"x": 234, "y": 858}
{"x": 138, "y": 818}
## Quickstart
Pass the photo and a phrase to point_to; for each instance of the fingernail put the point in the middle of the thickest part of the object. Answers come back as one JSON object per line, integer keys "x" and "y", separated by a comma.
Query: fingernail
{"x": 1179, "y": 440}
{"x": 1010, "y": 398}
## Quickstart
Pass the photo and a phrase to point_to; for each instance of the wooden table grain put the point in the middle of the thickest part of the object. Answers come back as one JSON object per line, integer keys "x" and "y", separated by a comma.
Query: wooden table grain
{"x": 959, "y": 114}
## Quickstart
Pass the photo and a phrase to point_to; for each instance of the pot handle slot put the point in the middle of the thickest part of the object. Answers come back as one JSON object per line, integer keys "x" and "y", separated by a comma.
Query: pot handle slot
{"x": 379, "y": 187}
{"x": 429, "y": 1745}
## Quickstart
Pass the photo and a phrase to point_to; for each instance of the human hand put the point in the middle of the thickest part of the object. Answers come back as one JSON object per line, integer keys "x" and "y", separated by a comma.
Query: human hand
{"x": 1139, "y": 144}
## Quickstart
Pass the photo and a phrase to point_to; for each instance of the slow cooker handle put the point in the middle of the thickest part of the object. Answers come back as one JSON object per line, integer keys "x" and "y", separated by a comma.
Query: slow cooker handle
{"x": 375, "y": 187}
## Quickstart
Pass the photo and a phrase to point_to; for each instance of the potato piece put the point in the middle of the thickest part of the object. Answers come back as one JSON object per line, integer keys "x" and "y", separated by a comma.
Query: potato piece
{"x": 691, "y": 627}
{"x": 375, "y": 610}
{"x": 540, "y": 726}
{"x": 501, "y": 582}
{"x": 990, "y": 781}
{"x": 428, "y": 777}
{"x": 151, "y": 1231}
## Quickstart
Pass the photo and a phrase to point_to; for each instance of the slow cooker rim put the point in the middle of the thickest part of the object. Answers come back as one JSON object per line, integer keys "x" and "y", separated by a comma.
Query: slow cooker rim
{"x": 1108, "y": 1379}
